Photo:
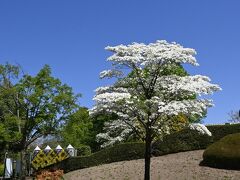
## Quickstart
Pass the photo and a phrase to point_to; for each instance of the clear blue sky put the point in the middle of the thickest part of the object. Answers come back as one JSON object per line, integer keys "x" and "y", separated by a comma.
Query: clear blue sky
{"x": 70, "y": 36}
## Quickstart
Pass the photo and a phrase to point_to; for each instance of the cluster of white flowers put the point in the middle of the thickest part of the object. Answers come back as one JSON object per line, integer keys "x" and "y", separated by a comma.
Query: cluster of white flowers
{"x": 111, "y": 73}
{"x": 186, "y": 107}
{"x": 109, "y": 138}
{"x": 112, "y": 97}
{"x": 145, "y": 97}
{"x": 104, "y": 89}
{"x": 160, "y": 51}
{"x": 193, "y": 84}
{"x": 200, "y": 128}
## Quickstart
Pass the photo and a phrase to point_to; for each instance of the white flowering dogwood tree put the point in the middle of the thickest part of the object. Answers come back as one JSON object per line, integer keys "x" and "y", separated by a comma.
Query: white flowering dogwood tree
{"x": 144, "y": 96}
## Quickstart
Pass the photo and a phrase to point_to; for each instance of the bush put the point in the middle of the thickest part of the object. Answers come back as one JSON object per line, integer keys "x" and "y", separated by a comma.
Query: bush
{"x": 185, "y": 140}
{"x": 56, "y": 174}
{"x": 188, "y": 140}
{"x": 224, "y": 153}
{"x": 83, "y": 150}
{"x": 219, "y": 131}
{"x": 120, "y": 152}
{"x": 1, "y": 169}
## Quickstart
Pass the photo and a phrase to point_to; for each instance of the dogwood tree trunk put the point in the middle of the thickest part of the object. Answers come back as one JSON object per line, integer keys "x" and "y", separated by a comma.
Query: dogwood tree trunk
{"x": 147, "y": 156}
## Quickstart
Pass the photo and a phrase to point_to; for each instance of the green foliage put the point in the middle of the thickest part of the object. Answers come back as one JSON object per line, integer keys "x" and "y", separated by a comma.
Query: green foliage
{"x": 98, "y": 122}
{"x": 176, "y": 69}
{"x": 224, "y": 153}
{"x": 188, "y": 140}
{"x": 184, "y": 140}
{"x": 83, "y": 150}
{"x": 8, "y": 122}
{"x": 32, "y": 106}
{"x": 80, "y": 129}
{"x": 77, "y": 130}
{"x": 219, "y": 131}
{"x": 120, "y": 152}
{"x": 1, "y": 169}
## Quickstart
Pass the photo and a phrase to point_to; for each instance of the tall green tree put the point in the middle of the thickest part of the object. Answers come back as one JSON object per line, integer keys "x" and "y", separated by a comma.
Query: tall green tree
{"x": 9, "y": 123}
{"x": 33, "y": 106}
{"x": 78, "y": 129}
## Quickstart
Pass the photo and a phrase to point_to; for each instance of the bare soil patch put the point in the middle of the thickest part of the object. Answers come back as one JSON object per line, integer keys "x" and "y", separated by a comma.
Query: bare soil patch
{"x": 179, "y": 166}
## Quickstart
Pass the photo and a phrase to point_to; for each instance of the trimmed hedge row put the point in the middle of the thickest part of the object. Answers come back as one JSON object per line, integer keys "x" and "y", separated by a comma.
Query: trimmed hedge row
{"x": 185, "y": 140}
{"x": 120, "y": 152}
{"x": 219, "y": 131}
{"x": 83, "y": 150}
{"x": 224, "y": 153}
{"x": 188, "y": 140}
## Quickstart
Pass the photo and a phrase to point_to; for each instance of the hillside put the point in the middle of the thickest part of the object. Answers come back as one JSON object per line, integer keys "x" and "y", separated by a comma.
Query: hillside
{"x": 180, "y": 166}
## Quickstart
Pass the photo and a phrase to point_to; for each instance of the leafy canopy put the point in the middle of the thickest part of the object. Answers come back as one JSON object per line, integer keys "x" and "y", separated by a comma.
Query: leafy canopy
{"x": 33, "y": 106}
{"x": 77, "y": 130}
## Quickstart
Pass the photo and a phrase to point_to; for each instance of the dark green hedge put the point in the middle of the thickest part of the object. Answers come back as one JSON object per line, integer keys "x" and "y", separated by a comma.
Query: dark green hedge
{"x": 185, "y": 140}
{"x": 120, "y": 152}
{"x": 219, "y": 131}
{"x": 83, "y": 150}
{"x": 224, "y": 153}
{"x": 188, "y": 140}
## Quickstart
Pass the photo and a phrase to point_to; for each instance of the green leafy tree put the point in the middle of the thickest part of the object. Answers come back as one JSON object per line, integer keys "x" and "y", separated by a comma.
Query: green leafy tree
{"x": 77, "y": 130}
{"x": 9, "y": 123}
{"x": 32, "y": 106}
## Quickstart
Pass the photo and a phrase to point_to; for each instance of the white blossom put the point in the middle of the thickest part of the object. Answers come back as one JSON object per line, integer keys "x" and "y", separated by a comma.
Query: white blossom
{"x": 196, "y": 84}
{"x": 111, "y": 97}
{"x": 158, "y": 52}
{"x": 186, "y": 107}
{"x": 108, "y": 138}
{"x": 111, "y": 73}
{"x": 144, "y": 97}
{"x": 200, "y": 128}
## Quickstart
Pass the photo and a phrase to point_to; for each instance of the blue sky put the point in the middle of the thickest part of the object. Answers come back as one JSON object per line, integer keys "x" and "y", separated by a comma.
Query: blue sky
{"x": 70, "y": 36}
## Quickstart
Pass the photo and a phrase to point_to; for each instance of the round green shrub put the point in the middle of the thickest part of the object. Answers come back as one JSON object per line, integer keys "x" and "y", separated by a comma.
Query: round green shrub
{"x": 224, "y": 153}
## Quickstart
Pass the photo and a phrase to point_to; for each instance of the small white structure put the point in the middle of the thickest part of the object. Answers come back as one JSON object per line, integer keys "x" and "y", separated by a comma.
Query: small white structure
{"x": 58, "y": 149}
{"x": 71, "y": 151}
{"x": 35, "y": 151}
{"x": 47, "y": 149}
{"x": 8, "y": 168}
